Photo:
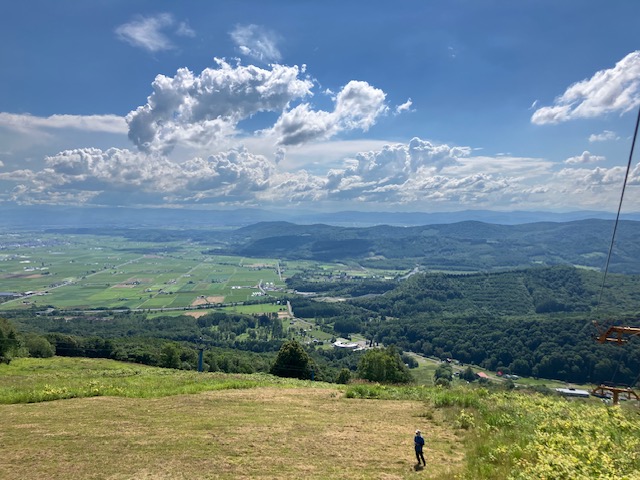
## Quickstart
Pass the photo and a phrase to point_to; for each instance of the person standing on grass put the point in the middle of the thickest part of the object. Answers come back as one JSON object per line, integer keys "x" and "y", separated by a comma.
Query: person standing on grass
{"x": 419, "y": 443}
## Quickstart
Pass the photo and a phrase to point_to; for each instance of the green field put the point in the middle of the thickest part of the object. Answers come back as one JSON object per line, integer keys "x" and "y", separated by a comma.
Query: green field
{"x": 85, "y": 272}
{"x": 88, "y": 272}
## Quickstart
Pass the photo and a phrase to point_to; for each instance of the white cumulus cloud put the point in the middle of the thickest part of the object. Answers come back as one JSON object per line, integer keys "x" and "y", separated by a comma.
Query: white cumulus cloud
{"x": 584, "y": 158}
{"x": 392, "y": 171}
{"x": 357, "y": 106}
{"x": 205, "y": 108}
{"x": 405, "y": 107}
{"x": 408, "y": 175}
{"x": 235, "y": 175}
{"x": 606, "y": 135}
{"x": 612, "y": 90}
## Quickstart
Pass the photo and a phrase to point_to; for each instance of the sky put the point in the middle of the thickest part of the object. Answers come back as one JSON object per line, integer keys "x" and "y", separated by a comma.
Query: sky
{"x": 425, "y": 106}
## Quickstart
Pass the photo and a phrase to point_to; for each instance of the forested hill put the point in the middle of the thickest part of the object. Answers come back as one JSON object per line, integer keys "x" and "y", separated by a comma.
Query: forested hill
{"x": 458, "y": 246}
{"x": 523, "y": 292}
{"x": 536, "y": 321}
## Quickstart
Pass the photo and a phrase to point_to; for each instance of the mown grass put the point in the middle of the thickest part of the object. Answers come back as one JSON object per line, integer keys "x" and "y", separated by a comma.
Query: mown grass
{"x": 243, "y": 426}
{"x": 145, "y": 422}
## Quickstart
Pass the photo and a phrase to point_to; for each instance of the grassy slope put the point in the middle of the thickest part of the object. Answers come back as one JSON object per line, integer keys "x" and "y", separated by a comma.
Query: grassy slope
{"x": 121, "y": 421}
{"x": 240, "y": 426}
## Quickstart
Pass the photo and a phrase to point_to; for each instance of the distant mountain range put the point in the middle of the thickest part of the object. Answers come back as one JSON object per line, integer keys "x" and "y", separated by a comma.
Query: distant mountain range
{"x": 462, "y": 246}
{"x": 428, "y": 241}
{"x": 38, "y": 217}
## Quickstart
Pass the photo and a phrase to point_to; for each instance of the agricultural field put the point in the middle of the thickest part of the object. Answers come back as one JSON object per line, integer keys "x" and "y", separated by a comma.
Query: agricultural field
{"x": 84, "y": 272}
{"x": 99, "y": 272}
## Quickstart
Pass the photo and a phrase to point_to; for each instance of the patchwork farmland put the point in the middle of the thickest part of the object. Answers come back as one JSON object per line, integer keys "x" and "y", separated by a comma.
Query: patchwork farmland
{"x": 85, "y": 272}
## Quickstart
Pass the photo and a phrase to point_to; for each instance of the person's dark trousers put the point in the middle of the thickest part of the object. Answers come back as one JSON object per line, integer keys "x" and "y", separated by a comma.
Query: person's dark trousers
{"x": 419, "y": 456}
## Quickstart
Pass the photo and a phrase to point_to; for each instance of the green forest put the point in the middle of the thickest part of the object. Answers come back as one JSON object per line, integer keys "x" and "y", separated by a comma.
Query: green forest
{"x": 534, "y": 322}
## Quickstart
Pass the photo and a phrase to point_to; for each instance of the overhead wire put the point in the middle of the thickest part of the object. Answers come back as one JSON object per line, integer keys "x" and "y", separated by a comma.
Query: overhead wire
{"x": 615, "y": 228}
{"x": 617, "y": 221}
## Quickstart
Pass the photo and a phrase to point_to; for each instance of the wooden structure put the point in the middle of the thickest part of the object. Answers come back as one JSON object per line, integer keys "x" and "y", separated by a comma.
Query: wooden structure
{"x": 617, "y": 335}
{"x": 615, "y": 393}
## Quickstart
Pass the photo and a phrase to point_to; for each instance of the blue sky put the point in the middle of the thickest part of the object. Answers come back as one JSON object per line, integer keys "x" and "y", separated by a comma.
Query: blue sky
{"x": 410, "y": 105}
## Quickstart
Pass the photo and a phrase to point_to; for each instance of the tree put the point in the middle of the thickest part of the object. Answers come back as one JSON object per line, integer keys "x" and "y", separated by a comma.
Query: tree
{"x": 468, "y": 374}
{"x": 292, "y": 361}
{"x": 170, "y": 356}
{"x": 38, "y": 346}
{"x": 383, "y": 365}
{"x": 8, "y": 341}
{"x": 409, "y": 360}
{"x": 345, "y": 326}
{"x": 344, "y": 376}
{"x": 277, "y": 331}
{"x": 443, "y": 371}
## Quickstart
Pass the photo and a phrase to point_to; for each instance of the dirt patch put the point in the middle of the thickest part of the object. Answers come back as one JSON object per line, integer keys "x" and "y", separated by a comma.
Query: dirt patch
{"x": 197, "y": 314}
{"x": 22, "y": 275}
{"x": 201, "y": 300}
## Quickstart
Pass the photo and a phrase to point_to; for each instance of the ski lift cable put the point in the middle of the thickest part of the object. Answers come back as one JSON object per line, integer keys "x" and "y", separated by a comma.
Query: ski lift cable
{"x": 615, "y": 225}
{"x": 615, "y": 228}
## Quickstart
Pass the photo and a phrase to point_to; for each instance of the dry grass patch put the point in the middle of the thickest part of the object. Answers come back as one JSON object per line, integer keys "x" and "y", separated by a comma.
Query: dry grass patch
{"x": 255, "y": 433}
{"x": 207, "y": 300}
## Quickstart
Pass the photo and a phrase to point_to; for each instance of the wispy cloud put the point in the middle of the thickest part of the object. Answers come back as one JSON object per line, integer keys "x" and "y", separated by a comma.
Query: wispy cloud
{"x": 612, "y": 90}
{"x": 256, "y": 42}
{"x": 184, "y": 30}
{"x": 152, "y": 33}
{"x": 92, "y": 123}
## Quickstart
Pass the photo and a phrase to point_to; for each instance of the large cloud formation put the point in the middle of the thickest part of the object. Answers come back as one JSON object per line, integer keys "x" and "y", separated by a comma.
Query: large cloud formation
{"x": 203, "y": 108}
{"x": 205, "y": 116}
{"x": 405, "y": 174}
{"x": 235, "y": 172}
{"x": 613, "y": 90}
{"x": 583, "y": 158}
{"x": 415, "y": 174}
{"x": 357, "y": 105}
